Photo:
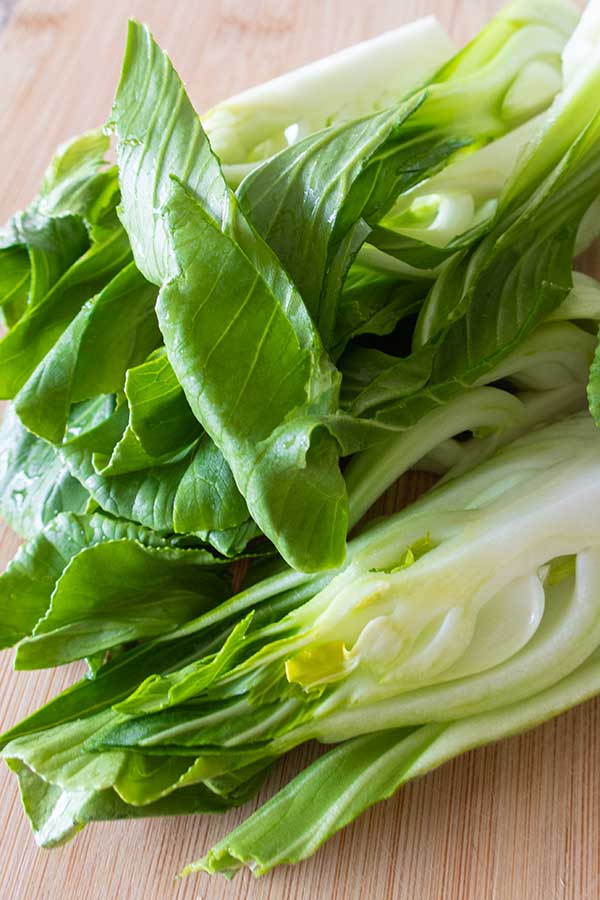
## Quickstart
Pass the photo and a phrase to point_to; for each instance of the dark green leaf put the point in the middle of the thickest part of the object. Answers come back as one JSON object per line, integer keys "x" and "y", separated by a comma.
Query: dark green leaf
{"x": 232, "y": 302}
{"x": 159, "y": 692}
{"x": 34, "y": 484}
{"x": 374, "y": 303}
{"x": 28, "y": 342}
{"x": 115, "y": 592}
{"x": 28, "y": 584}
{"x": 113, "y": 331}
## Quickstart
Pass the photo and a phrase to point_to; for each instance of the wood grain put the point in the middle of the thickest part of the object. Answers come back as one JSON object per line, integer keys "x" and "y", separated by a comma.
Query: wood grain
{"x": 516, "y": 821}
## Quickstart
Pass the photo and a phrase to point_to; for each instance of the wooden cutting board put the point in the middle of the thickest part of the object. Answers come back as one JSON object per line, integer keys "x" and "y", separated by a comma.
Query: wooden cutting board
{"x": 515, "y": 821}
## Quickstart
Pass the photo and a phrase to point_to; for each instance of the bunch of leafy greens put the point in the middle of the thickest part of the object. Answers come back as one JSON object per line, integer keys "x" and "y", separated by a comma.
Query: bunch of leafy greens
{"x": 329, "y": 265}
{"x": 169, "y": 433}
{"x": 471, "y": 615}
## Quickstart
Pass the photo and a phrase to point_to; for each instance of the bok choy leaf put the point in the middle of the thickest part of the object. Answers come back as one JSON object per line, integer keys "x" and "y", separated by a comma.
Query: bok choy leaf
{"x": 317, "y": 201}
{"x": 246, "y": 129}
{"x": 174, "y": 196}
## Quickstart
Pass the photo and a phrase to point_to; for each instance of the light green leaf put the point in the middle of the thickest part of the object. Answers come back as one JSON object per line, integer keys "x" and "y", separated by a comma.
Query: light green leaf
{"x": 57, "y": 815}
{"x": 73, "y": 182}
{"x": 335, "y": 789}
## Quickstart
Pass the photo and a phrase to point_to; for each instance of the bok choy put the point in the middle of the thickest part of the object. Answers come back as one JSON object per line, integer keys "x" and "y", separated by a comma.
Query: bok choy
{"x": 227, "y": 347}
{"x": 472, "y": 614}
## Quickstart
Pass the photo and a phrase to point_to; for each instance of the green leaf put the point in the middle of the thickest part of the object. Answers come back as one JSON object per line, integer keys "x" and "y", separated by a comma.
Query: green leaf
{"x": 188, "y": 728}
{"x": 275, "y": 465}
{"x": 35, "y": 486}
{"x": 280, "y": 456}
{"x": 53, "y": 246}
{"x": 56, "y": 755}
{"x": 374, "y": 303}
{"x": 326, "y": 796}
{"x": 177, "y": 495}
{"x": 51, "y": 233}
{"x": 209, "y": 493}
{"x": 42, "y": 324}
{"x": 95, "y": 661}
{"x": 160, "y": 416}
{"x": 57, "y": 815}
{"x": 158, "y": 133}
{"x": 116, "y": 592}
{"x": 113, "y": 331}
{"x": 160, "y": 423}
{"x": 146, "y": 779}
{"x": 159, "y": 692}
{"x": 14, "y": 283}
{"x": 372, "y": 378}
{"x": 593, "y": 390}
{"x": 29, "y": 583}
{"x": 335, "y": 789}
{"x": 316, "y": 201}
